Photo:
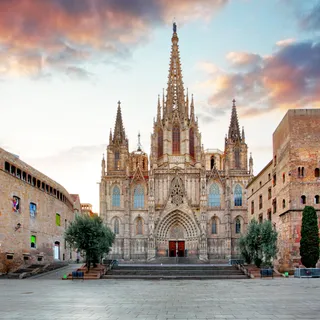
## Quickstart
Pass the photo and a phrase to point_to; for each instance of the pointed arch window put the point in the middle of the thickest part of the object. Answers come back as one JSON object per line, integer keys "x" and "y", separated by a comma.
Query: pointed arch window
{"x": 116, "y": 160}
{"x": 138, "y": 195}
{"x": 212, "y": 162}
{"x": 237, "y": 158}
{"x": 160, "y": 143}
{"x": 116, "y": 197}
{"x": 191, "y": 142}
{"x": 214, "y": 226}
{"x": 214, "y": 196}
{"x": 139, "y": 226}
{"x": 176, "y": 140}
{"x": 237, "y": 196}
{"x": 116, "y": 226}
{"x": 238, "y": 226}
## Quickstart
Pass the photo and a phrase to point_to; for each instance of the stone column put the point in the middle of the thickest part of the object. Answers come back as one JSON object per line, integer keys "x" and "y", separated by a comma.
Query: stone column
{"x": 126, "y": 240}
{"x": 227, "y": 219}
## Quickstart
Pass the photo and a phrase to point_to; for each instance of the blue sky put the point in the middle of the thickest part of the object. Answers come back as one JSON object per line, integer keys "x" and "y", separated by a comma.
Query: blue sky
{"x": 62, "y": 73}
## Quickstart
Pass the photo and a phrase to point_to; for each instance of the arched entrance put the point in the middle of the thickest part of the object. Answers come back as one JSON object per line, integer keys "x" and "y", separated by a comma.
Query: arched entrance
{"x": 177, "y": 235}
{"x": 57, "y": 250}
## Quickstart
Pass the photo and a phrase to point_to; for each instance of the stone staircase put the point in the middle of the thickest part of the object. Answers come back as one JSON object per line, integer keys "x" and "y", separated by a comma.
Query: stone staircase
{"x": 174, "y": 272}
{"x": 93, "y": 274}
{"x": 33, "y": 269}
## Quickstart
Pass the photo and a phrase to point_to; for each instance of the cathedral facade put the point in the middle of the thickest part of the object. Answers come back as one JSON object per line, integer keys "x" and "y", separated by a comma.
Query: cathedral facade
{"x": 183, "y": 200}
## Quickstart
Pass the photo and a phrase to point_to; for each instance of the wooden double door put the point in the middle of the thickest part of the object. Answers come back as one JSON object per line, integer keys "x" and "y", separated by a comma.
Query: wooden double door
{"x": 176, "y": 248}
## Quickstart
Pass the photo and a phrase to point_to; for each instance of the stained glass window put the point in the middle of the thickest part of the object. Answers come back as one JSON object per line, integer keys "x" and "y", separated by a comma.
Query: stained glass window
{"x": 138, "y": 201}
{"x": 176, "y": 140}
{"x": 191, "y": 142}
{"x": 116, "y": 197}
{"x": 160, "y": 143}
{"x": 238, "y": 196}
{"x": 214, "y": 196}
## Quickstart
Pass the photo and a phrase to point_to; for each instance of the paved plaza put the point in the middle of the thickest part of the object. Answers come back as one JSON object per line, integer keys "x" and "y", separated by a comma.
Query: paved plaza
{"x": 43, "y": 298}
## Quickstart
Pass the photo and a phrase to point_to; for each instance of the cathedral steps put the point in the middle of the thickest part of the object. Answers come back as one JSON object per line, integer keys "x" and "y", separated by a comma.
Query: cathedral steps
{"x": 163, "y": 272}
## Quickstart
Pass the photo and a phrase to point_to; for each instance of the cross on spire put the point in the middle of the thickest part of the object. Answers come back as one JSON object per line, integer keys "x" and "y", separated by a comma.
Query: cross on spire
{"x": 139, "y": 143}
{"x": 119, "y": 133}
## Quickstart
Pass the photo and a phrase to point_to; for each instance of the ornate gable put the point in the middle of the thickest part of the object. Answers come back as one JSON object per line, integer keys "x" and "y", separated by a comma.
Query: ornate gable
{"x": 138, "y": 176}
{"x": 177, "y": 195}
{"x": 214, "y": 175}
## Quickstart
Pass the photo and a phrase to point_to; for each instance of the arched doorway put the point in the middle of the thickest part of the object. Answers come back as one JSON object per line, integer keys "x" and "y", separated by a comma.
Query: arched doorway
{"x": 177, "y": 234}
{"x": 57, "y": 250}
{"x": 177, "y": 241}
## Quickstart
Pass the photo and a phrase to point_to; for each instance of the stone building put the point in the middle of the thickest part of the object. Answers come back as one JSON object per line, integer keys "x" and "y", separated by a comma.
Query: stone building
{"x": 289, "y": 182}
{"x": 34, "y": 212}
{"x": 86, "y": 209}
{"x": 187, "y": 200}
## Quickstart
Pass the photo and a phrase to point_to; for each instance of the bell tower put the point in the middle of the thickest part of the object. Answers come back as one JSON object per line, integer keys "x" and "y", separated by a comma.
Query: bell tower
{"x": 176, "y": 139}
{"x": 236, "y": 150}
{"x": 118, "y": 148}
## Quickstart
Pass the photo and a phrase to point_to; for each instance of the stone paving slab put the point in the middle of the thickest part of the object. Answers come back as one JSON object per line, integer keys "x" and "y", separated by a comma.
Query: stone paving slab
{"x": 292, "y": 299}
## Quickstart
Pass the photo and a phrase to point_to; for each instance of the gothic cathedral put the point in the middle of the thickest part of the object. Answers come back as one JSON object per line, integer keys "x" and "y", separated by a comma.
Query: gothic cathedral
{"x": 187, "y": 201}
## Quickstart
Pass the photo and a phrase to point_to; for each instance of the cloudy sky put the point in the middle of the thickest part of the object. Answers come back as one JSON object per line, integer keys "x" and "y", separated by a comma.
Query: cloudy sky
{"x": 64, "y": 64}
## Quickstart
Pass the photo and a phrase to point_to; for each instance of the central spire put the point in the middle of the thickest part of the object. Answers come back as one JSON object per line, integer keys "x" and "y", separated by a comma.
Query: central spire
{"x": 234, "y": 131}
{"x": 175, "y": 89}
{"x": 119, "y": 135}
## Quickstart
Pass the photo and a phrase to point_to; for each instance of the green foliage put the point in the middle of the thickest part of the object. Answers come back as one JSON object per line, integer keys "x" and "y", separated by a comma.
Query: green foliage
{"x": 244, "y": 250}
{"x": 269, "y": 238}
{"x": 254, "y": 242}
{"x": 309, "y": 243}
{"x": 260, "y": 243}
{"x": 91, "y": 236}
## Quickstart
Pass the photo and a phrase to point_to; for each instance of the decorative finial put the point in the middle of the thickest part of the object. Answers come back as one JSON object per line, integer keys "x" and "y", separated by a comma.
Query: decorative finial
{"x": 119, "y": 103}
{"x": 174, "y": 26}
{"x": 139, "y": 142}
{"x": 234, "y": 102}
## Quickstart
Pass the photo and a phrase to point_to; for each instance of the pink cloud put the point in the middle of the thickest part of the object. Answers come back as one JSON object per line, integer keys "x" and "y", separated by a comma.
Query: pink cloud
{"x": 54, "y": 31}
{"x": 287, "y": 79}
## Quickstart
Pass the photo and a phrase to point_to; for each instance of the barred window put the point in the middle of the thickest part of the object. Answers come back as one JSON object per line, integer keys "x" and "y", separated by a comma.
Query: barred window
{"x": 238, "y": 226}
{"x": 214, "y": 226}
{"x": 139, "y": 226}
{"x": 116, "y": 226}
